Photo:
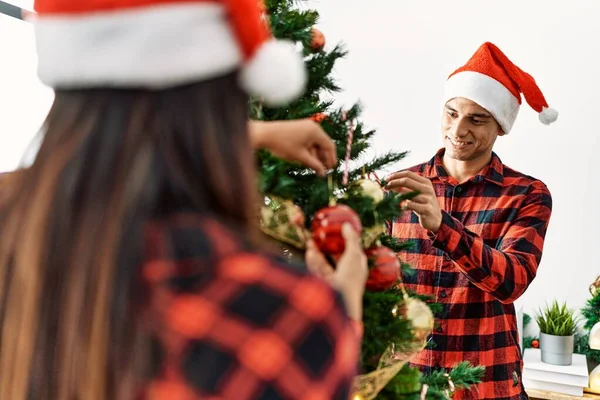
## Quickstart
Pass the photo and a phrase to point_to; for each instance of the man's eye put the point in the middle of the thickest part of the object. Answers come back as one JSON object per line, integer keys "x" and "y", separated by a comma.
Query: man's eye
{"x": 478, "y": 121}
{"x": 453, "y": 115}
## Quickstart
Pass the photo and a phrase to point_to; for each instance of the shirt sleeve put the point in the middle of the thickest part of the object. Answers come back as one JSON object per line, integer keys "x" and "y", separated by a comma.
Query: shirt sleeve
{"x": 507, "y": 270}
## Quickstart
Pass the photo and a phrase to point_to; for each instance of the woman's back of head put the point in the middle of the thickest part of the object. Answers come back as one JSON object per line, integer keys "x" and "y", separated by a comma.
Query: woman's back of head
{"x": 110, "y": 161}
{"x": 115, "y": 154}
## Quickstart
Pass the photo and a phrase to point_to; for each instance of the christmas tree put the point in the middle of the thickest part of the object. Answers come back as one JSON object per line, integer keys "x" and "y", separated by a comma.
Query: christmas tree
{"x": 299, "y": 204}
{"x": 591, "y": 315}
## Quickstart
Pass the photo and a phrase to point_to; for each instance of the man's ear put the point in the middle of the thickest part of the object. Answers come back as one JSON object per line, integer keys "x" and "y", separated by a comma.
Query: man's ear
{"x": 501, "y": 132}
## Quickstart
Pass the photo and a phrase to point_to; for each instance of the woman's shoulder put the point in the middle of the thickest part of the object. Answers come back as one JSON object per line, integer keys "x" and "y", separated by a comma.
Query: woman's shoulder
{"x": 197, "y": 255}
{"x": 198, "y": 243}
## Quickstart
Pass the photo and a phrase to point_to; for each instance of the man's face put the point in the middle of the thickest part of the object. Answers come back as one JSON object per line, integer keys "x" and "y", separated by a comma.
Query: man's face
{"x": 469, "y": 131}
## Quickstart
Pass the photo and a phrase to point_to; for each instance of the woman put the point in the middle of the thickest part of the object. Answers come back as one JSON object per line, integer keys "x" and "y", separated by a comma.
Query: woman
{"x": 129, "y": 264}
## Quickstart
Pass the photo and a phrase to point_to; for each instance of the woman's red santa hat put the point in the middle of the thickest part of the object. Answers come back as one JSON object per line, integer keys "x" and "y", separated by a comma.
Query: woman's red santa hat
{"x": 156, "y": 44}
{"x": 491, "y": 80}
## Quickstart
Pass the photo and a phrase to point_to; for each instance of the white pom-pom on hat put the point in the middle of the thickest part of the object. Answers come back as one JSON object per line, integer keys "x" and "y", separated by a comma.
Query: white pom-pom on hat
{"x": 548, "y": 116}
{"x": 276, "y": 73}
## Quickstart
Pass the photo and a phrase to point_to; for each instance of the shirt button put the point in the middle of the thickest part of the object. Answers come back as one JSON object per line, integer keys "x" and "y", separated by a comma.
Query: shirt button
{"x": 447, "y": 258}
{"x": 459, "y": 189}
{"x": 439, "y": 329}
{"x": 444, "y": 294}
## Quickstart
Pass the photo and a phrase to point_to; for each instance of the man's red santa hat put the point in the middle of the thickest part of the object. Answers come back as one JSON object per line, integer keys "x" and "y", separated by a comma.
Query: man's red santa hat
{"x": 156, "y": 44}
{"x": 491, "y": 80}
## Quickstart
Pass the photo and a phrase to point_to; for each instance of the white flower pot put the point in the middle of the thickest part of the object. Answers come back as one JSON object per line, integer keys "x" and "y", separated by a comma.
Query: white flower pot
{"x": 557, "y": 350}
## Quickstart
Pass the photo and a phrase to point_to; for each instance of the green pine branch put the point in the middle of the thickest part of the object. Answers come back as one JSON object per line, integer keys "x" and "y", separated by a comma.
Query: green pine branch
{"x": 526, "y": 320}
{"x": 408, "y": 383}
{"x": 591, "y": 315}
{"x": 463, "y": 375}
{"x": 396, "y": 244}
{"x": 378, "y": 163}
{"x": 319, "y": 67}
{"x": 591, "y": 311}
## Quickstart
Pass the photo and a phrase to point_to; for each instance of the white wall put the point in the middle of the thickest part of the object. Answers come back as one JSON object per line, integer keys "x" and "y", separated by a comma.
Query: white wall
{"x": 400, "y": 55}
{"x": 24, "y": 101}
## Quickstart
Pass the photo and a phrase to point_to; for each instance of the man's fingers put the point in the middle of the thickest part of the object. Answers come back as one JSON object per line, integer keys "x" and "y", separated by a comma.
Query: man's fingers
{"x": 406, "y": 183}
{"x": 419, "y": 199}
{"x": 397, "y": 175}
{"x": 418, "y": 177}
{"x": 407, "y": 174}
{"x": 401, "y": 189}
{"x": 417, "y": 207}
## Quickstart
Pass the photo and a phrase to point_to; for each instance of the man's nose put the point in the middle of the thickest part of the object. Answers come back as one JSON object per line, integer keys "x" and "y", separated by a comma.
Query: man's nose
{"x": 459, "y": 128}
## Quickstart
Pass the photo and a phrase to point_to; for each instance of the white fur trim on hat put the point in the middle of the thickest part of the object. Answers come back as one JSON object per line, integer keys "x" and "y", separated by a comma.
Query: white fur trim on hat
{"x": 486, "y": 92}
{"x": 276, "y": 73}
{"x": 154, "y": 47}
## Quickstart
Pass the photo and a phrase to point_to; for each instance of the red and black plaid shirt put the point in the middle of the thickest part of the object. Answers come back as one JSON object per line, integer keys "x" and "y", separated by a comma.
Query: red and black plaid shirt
{"x": 483, "y": 258}
{"x": 234, "y": 323}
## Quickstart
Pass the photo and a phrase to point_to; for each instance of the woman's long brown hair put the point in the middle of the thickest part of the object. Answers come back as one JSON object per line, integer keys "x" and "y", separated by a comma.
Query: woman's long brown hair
{"x": 71, "y": 228}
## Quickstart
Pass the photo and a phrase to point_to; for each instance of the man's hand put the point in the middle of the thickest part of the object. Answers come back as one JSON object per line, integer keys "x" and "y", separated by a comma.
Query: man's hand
{"x": 425, "y": 204}
{"x": 303, "y": 141}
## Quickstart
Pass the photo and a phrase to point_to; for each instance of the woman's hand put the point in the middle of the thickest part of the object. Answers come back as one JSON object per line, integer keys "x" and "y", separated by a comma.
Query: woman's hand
{"x": 302, "y": 140}
{"x": 350, "y": 274}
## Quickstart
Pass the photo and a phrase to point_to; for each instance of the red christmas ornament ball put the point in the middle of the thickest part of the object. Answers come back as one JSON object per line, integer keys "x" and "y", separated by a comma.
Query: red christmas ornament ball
{"x": 327, "y": 225}
{"x": 535, "y": 343}
{"x": 384, "y": 268}
{"x": 317, "y": 39}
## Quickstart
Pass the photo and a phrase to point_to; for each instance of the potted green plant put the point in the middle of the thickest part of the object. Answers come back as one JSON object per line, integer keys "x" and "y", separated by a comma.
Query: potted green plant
{"x": 557, "y": 326}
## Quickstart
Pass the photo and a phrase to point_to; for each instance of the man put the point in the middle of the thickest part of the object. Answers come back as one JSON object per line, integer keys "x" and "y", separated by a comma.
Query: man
{"x": 478, "y": 225}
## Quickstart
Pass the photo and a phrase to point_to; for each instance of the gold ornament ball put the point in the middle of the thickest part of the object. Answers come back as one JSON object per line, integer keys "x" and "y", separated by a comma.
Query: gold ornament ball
{"x": 371, "y": 189}
{"x": 595, "y": 286}
{"x": 420, "y": 316}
